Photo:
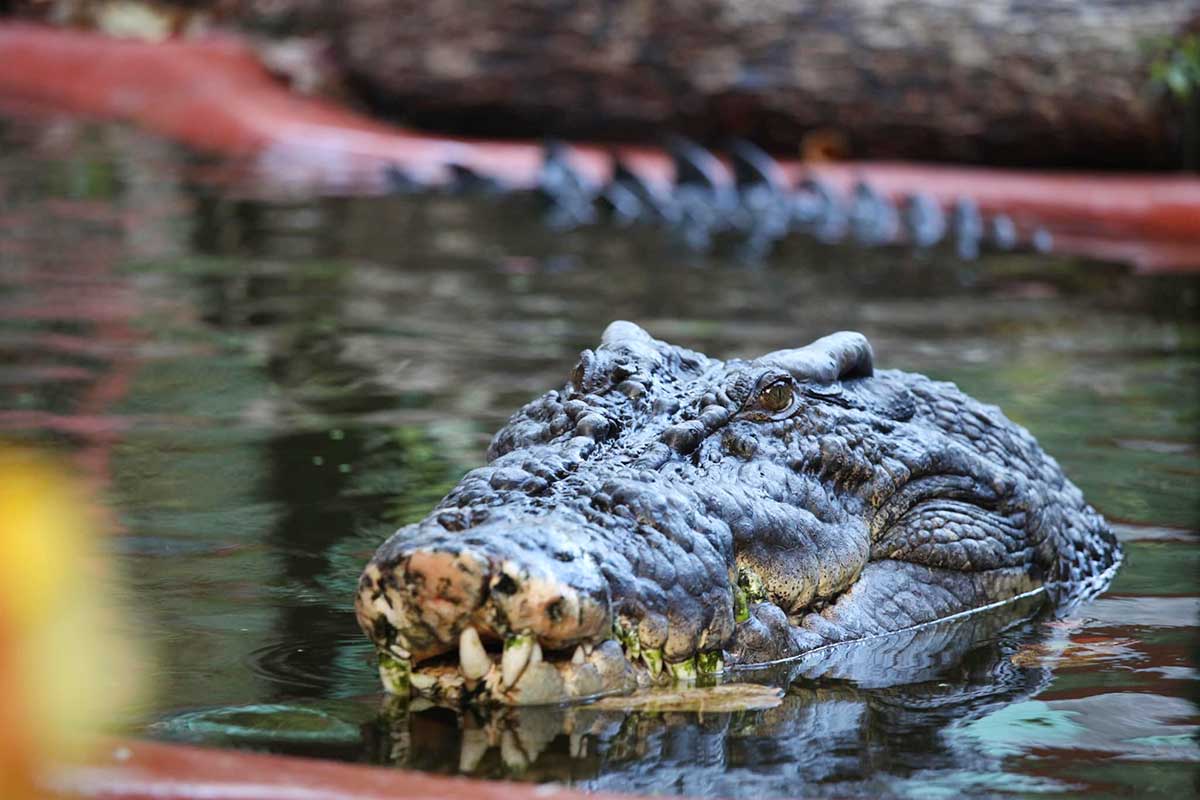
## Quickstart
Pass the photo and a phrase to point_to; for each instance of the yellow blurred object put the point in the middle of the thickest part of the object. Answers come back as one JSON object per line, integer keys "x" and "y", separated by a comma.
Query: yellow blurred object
{"x": 64, "y": 671}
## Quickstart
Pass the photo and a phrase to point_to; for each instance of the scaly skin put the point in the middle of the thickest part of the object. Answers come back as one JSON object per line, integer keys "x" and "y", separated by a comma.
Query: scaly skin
{"x": 666, "y": 515}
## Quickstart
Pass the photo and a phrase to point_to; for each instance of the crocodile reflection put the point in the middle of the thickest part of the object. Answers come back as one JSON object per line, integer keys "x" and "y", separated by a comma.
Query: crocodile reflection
{"x": 848, "y": 713}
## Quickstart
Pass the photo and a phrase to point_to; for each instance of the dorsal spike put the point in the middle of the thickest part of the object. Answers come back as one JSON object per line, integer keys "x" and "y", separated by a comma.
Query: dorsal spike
{"x": 924, "y": 220}
{"x": 466, "y": 179}
{"x": 622, "y": 173}
{"x": 753, "y": 167}
{"x": 627, "y": 180}
{"x": 567, "y": 191}
{"x": 694, "y": 165}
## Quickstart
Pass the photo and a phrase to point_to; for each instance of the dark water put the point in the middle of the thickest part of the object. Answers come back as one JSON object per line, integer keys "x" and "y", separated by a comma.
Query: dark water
{"x": 265, "y": 388}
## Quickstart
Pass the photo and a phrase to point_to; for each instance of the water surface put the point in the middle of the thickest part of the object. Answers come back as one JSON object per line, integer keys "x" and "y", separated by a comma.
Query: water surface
{"x": 264, "y": 388}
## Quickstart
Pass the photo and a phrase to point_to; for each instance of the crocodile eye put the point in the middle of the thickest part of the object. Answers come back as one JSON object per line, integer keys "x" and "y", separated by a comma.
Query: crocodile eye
{"x": 776, "y": 397}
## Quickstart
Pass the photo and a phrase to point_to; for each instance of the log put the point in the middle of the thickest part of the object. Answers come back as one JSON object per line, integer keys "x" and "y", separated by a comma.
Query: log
{"x": 1061, "y": 83}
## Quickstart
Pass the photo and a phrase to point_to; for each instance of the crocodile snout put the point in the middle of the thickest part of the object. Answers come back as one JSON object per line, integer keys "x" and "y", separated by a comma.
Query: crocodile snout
{"x": 504, "y": 609}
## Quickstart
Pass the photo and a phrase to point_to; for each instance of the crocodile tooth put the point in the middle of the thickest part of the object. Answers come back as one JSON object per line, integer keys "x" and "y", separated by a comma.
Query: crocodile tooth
{"x": 682, "y": 670}
{"x": 578, "y": 745}
{"x": 472, "y": 658}
{"x": 652, "y": 658}
{"x": 535, "y": 655}
{"x": 710, "y": 663}
{"x": 578, "y": 657}
{"x": 517, "y": 652}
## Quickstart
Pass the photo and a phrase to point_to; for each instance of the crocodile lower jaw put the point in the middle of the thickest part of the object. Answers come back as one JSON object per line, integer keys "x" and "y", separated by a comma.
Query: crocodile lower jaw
{"x": 522, "y": 674}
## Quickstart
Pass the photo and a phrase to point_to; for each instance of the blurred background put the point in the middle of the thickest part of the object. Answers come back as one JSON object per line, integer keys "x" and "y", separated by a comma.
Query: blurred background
{"x": 1060, "y": 83}
{"x": 237, "y": 391}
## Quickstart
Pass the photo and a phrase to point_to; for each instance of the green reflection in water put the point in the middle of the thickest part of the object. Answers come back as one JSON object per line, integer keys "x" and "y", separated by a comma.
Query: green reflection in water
{"x": 1158, "y": 568}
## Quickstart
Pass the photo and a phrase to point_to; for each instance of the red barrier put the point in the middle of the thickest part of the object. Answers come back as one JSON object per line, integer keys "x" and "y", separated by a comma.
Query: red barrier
{"x": 132, "y": 770}
{"x": 214, "y": 95}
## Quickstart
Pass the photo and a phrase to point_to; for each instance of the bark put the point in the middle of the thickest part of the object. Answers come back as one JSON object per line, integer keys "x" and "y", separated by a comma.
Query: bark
{"x": 1028, "y": 82}
{"x": 1035, "y": 82}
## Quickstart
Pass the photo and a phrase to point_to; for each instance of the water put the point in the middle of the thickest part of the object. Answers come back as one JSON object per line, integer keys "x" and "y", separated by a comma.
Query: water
{"x": 264, "y": 388}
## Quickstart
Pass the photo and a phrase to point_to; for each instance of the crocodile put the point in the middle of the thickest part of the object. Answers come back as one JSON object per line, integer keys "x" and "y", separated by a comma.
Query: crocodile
{"x": 747, "y": 198}
{"x": 667, "y": 516}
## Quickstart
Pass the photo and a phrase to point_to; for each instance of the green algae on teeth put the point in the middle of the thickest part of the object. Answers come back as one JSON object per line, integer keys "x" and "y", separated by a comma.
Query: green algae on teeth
{"x": 682, "y": 670}
{"x": 710, "y": 663}
{"x": 395, "y": 673}
{"x": 752, "y": 586}
{"x": 741, "y": 605}
{"x": 652, "y": 658}
{"x": 518, "y": 651}
{"x": 626, "y": 633}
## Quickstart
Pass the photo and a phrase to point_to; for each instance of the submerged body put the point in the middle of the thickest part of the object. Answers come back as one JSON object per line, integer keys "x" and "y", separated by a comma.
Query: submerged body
{"x": 666, "y": 515}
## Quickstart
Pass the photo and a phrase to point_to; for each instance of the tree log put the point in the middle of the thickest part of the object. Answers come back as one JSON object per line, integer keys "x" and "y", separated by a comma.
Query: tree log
{"x": 1032, "y": 82}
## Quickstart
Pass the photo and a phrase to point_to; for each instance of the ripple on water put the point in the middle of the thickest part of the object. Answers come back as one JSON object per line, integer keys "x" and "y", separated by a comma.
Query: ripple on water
{"x": 259, "y": 724}
{"x": 155, "y": 546}
{"x": 332, "y": 667}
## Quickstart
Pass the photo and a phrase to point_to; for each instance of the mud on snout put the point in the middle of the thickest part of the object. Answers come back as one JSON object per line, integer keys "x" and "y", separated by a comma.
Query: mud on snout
{"x": 510, "y": 614}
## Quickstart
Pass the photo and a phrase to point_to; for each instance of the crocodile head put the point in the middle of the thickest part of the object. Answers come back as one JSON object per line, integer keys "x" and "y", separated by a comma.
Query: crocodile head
{"x": 665, "y": 515}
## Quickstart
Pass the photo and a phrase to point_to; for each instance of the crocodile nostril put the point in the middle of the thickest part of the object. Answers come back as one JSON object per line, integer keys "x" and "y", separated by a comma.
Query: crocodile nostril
{"x": 505, "y": 584}
{"x": 381, "y": 631}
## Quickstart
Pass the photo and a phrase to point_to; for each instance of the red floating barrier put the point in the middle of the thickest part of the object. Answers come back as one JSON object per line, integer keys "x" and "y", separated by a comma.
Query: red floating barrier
{"x": 135, "y": 770}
